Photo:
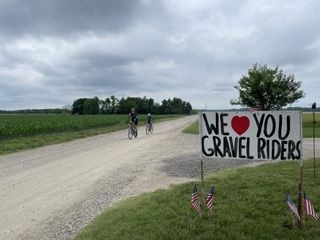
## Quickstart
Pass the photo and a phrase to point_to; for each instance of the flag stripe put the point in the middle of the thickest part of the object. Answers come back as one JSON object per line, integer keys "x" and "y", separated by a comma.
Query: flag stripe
{"x": 195, "y": 199}
{"x": 209, "y": 201}
{"x": 293, "y": 207}
{"x": 210, "y": 198}
{"x": 309, "y": 208}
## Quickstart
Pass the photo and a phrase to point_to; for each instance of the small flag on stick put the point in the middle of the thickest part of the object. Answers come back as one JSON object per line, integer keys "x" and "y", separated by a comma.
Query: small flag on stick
{"x": 293, "y": 207}
{"x": 195, "y": 199}
{"x": 210, "y": 198}
{"x": 309, "y": 208}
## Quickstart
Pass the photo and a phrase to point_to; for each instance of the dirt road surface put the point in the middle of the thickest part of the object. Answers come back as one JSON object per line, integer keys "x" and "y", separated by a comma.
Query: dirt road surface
{"x": 52, "y": 192}
{"x": 43, "y": 190}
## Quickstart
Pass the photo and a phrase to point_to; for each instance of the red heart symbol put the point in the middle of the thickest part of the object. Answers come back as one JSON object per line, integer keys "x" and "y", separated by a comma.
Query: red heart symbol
{"x": 240, "y": 124}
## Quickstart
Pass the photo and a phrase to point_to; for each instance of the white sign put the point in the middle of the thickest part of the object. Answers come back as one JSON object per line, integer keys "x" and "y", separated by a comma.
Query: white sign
{"x": 257, "y": 135}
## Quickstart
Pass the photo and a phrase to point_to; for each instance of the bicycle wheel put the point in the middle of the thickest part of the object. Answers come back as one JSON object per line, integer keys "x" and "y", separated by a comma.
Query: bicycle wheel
{"x": 130, "y": 133}
{"x": 151, "y": 129}
{"x": 136, "y": 132}
{"x": 148, "y": 129}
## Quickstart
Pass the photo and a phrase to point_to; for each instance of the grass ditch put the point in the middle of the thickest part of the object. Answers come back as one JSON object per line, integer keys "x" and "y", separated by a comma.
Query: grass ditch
{"x": 250, "y": 204}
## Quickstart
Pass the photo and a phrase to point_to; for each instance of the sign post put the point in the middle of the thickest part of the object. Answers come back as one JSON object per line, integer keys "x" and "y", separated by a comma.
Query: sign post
{"x": 201, "y": 162}
{"x": 300, "y": 185}
{"x": 314, "y": 107}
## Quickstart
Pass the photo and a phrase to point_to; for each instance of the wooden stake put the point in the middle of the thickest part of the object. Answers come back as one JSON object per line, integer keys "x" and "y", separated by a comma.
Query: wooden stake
{"x": 314, "y": 148}
{"x": 300, "y": 186}
{"x": 300, "y": 199}
{"x": 201, "y": 158}
{"x": 202, "y": 178}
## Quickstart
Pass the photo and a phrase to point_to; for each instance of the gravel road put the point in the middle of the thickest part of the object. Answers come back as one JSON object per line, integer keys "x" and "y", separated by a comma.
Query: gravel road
{"x": 52, "y": 192}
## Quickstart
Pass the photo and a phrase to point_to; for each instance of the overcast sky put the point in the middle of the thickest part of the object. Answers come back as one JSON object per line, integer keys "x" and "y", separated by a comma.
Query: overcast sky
{"x": 55, "y": 51}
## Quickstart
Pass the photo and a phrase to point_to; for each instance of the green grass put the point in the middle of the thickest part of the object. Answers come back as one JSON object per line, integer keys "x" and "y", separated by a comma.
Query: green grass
{"x": 192, "y": 128}
{"x": 20, "y": 132}
{"x": 307, "y": 126}
{"x": 250, "y": 204}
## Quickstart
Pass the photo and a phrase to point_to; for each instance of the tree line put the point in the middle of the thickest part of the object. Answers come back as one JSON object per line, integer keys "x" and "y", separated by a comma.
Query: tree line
{"x": 113, "y": 105}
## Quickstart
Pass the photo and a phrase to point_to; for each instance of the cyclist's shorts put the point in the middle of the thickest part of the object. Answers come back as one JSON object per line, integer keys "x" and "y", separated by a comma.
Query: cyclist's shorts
{"x": 135, "y": 120}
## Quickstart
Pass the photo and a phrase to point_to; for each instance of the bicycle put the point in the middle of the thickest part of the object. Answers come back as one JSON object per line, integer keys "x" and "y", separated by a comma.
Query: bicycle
{"x": 132, "y": 131}
{"x": 149, "y": 128}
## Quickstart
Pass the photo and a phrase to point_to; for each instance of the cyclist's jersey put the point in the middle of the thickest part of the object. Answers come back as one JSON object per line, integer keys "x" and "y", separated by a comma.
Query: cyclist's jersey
{"x": 149, "y": 118}
{"x": 133, "y": 116}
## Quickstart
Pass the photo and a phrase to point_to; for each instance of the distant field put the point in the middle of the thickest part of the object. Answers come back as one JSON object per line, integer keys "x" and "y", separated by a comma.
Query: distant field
{"x": 307, "y": 126}
{"x": 12, "y": 126}
{"x": 20, "y": 131}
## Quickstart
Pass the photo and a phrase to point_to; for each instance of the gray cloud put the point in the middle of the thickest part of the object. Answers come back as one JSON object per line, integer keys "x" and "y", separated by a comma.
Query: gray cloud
{"x": 59, "y": 17}
{"x": 52, "y": 52}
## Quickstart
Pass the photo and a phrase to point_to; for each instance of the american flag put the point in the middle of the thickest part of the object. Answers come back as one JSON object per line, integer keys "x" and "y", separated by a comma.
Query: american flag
{"x": 309, "y": 209}
{"x": 210, "y": 198}
{"x": 292, "y": 206}
{"x": 195, "y": 199}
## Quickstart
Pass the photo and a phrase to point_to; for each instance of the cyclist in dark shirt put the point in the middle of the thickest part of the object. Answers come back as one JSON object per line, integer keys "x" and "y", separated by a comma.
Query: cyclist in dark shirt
{"x": 133, "y": 116}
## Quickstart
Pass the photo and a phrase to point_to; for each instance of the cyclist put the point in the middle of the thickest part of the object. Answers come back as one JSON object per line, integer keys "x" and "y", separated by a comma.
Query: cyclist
{"x": 149, "y": 119}
{"x": 133, "y": 116}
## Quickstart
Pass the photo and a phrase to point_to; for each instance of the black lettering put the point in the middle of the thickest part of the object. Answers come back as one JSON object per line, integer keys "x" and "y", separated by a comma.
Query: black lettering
{"x": 261, "y": 146}
{"x": 298, "y": 150}
{"x": 212, "y": 127}
{"x": 276, "y": 149}
{"x": 234, "y": 147}
{"x": 223, "y": 124}
{"x": 259, "y": 123}
{"x": 268, "y": 149}
{"x": 211, "y": 152}
{"x": 273, "y": 127}
{"x": 248, "y": 149}
{"x": 216, "y": 146}
{"x": 280, "y": 128}
{"x": 241, "y": 146}
{"x": 291, "y": 150}
{"x": 283, "y": 150}
{"x": 226, "y": 147}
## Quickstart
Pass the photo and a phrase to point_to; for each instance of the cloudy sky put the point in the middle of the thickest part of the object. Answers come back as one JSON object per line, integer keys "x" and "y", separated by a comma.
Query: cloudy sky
{"x": 54, "y": 51}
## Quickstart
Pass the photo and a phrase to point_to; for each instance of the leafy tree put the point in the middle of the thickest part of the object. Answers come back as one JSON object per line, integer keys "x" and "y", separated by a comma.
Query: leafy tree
{"x": 105, "y": 106}
{"x": 86, "y": 106}
{"x": 187, "y": 108}
{"x": 267, "y": 89}
{"x": 91, "y": 106}
{"x": 165, "y": 106}
{"x": 177, "y": 105}
{"x": 114, "y": 104}
{"x": 77, "y": 106}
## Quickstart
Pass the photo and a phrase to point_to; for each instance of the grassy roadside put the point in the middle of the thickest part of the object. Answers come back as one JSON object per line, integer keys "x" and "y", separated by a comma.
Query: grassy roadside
{"x": 250, "y": 204}
{"x": 22, "y": 143}
{"x": 192, "y": 128}
{"x": 307, "y": 127}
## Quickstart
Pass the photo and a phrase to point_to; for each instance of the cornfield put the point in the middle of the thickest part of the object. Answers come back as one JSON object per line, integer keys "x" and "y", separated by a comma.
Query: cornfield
{"x": 13, "y": 126}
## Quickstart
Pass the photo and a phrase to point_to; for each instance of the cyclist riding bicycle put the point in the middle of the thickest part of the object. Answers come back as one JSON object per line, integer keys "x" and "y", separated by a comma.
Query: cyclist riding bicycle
{"x": 149, "y": 127}
{"x": 149, "y": 118}
{"x": 133, "y": 116}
